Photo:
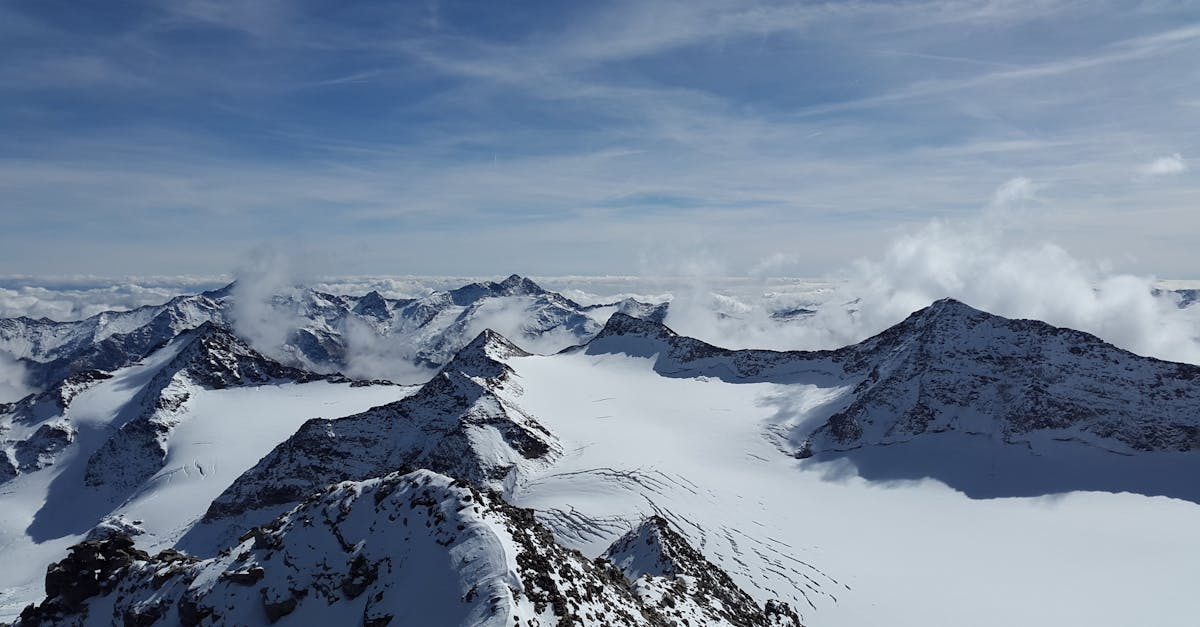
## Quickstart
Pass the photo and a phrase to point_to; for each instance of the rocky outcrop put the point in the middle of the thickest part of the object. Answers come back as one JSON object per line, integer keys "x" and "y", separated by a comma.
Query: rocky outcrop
{"x": 53, "y": 351}
{"x": 92, "y": 568}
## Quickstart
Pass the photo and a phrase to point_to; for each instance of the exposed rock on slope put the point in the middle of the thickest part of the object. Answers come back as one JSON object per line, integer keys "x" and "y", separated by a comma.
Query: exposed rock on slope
{"x": 32, "y": 430}
{"x": 668, "y": 573}
{"x": 949, "y": 367}
{"x": 681, "y": 356}
{"x": 322, "y": 329}
{"x": 404, "y": 549}
{"x": 53, "y": 351}
{"x": 210, "y": 357}
{"x": 456, "y": 424}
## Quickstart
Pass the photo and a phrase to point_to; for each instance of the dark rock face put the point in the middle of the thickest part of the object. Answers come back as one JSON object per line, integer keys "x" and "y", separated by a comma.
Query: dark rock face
{"x": 374, "y": 305}
{"x": 514, "y": 285}
{"x": 953, "y": 368}
{"x": 216, "y": 359}
{"x": 38, "y": 450}
{"x": 91, "y": 568}
{"x": 681, "y": 356}
{"x": 794, "y": 313}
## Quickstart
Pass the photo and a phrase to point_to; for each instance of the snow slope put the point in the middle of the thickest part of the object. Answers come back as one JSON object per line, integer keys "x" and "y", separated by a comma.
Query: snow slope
{"x": 845, "y": 550}
{"x": 457, "y": 423}
{"x": 222, "y": 433}
{"x": 403, "y": 549}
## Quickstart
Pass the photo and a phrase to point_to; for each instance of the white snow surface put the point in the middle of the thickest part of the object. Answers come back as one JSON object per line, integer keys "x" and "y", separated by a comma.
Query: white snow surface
{"x": 842, "y": 550}
{"x": 222, "y": 433}
{"x": 703, "y": 453}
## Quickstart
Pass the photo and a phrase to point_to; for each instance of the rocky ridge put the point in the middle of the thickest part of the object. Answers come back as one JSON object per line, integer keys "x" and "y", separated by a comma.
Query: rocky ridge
{"x": 459, "y": 423}
{"x": 950, "y": 367}
{"x": 209, "y": 357}
{"x": 400, "y": 549}
{"x": 324, "y": 328}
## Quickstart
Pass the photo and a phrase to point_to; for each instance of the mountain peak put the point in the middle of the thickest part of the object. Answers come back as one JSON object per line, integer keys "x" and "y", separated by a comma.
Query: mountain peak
{"x": 372, "y": 304}
{"x": 494, "y": 345}
{"x": 217, "y": 359}
{"x": 514, "y": 285}
{"x": 654, "y": 558}
{"x": 517, "y": 284}
{"x": 624, "y": 325}
{"x": 949, "y": 305}
{"x": 946, "y": 309}
{"x": 650, "y": 548}
{"x": 484, "y": 355}
{"x": 951, "y": 367}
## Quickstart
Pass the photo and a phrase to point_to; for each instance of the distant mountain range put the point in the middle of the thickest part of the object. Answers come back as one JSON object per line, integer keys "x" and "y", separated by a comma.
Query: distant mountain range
{"x": 425, "y": 331}
{"x": 625, "y": 475}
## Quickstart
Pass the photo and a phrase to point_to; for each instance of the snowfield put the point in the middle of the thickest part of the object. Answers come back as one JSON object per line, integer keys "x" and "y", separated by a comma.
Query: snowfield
{"x": 845, "y": 551}
{"x": 223, "y": 433}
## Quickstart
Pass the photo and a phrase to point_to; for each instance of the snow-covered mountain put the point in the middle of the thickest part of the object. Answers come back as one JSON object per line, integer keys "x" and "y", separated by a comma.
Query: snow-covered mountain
{"x": 403, "y": 549}
{"x": 153, "y": 442}
{"x": 950, "y": 367}
{"x": 953, "y": 368}
{"x": 674, "y": 480}
{"x": 207, "y": 358}
{"x": 53, "y": 351}
{"x": 320, "y": 332}
{"x": 459, "y": 423}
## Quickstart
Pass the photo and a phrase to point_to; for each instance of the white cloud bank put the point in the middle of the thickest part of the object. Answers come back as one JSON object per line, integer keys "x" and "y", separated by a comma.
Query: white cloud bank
{"x": 981, "y": 262}
{"x": 1170, "y": 164}
{"x": 79, "y": 297}
{"x": 12, "y": 379}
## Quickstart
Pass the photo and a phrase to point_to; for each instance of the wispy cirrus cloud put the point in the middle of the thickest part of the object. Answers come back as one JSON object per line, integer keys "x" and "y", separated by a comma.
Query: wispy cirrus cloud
{"x": 453, "y": 138}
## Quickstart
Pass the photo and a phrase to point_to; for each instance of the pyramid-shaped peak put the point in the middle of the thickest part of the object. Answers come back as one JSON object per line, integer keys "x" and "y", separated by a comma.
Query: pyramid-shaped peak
{"x": 943, "y": 312}
{"x": 514, "y": 285}
{"x": 653, "y": 548}
{"x": 372, "y": 304}
{"x": 494, "y": 345}
{"x": 517, "y": 285}
{"x": 624, "y": 325}
{"x": 372, "y": 296}
{"x": 217, "y": 359}
{"x": 484, "y": 356}
{"x": 221, "y": 292}
{"x": 952, "y": 305}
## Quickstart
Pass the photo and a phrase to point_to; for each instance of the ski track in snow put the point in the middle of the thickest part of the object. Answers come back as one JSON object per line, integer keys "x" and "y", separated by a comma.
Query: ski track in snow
{"x": 843, "y": 551}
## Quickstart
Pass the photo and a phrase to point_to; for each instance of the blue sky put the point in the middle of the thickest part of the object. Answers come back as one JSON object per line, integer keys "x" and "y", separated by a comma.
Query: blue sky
{"x": 557, "y": 138}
